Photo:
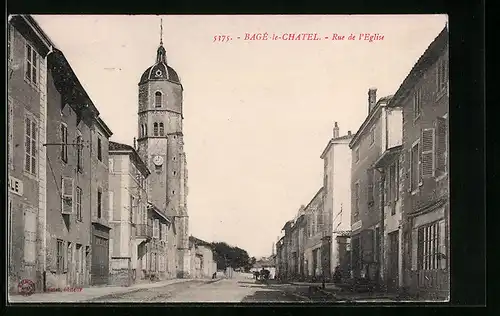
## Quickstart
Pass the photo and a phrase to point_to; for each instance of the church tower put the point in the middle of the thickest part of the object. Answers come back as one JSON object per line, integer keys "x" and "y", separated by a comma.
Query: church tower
{"x": 161, "y": 146}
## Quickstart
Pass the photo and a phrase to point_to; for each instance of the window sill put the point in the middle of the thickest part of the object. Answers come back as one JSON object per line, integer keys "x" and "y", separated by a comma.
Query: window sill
{"x": 30, "y": 175}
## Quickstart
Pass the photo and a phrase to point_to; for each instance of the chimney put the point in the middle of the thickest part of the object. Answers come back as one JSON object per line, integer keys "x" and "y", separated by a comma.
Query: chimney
{"x": 348, "y": 133}
{"x": 335, "y": 131}
{"x": 372, "y": 98}
{"x": 134, "y": 143}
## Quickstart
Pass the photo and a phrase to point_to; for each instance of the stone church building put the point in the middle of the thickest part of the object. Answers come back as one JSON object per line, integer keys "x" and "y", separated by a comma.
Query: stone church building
{"x": 160, "y": 145}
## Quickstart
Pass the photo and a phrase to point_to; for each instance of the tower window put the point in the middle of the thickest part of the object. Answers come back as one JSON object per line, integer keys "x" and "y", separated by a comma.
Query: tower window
{"x": 162, "y": 130}
{"x": 143, "y": 130}
{"x": 173, "y": 192}
{"x": 158, "y": 99}
{"x": 155, "y": 129}
{"x": 175, "y": 172}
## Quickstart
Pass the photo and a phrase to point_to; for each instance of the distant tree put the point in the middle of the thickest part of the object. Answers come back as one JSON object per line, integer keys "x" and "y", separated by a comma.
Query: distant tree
{"x": 229, "y": 256}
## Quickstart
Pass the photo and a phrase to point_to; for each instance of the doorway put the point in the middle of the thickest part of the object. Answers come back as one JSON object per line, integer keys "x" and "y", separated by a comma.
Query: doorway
{"x": 393, "y": 267}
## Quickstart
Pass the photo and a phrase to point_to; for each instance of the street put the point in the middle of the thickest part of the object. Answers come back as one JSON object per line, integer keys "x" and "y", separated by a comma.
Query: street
{"x": 225, "y": 290}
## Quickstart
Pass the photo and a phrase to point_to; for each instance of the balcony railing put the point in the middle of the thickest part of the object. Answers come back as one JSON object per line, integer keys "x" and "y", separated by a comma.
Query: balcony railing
{"x": 143, "y": 230}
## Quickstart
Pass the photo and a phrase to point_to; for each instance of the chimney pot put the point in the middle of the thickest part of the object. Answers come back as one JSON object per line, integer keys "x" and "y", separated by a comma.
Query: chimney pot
{"x": 372, "y": 98}
{"x": 336, "y": 130}
{"x": 348, "y": 133}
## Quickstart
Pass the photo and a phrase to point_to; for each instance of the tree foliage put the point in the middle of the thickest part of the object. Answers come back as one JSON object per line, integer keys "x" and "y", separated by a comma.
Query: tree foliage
{"x": 229, "y": 256}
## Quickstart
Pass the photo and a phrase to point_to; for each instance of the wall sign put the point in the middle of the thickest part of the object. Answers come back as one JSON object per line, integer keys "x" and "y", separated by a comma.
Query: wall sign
{"x": 15, "y": 186}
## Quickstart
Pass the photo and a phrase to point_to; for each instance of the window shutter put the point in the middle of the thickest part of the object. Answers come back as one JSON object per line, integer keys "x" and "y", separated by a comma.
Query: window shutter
{"x": 427, "y": 153}
{"x": 67, "y": 195}
{"x": 164, "y": 232}
{"x": 442, "y": 245}
{"x": 65, "y": 256}
{"x": 441, "y": 150}
{"x": 156, "y": 228}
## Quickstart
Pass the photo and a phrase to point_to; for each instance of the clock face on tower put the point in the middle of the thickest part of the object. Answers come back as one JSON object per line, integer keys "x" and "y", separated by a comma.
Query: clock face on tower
{"x": 158, "y": 160}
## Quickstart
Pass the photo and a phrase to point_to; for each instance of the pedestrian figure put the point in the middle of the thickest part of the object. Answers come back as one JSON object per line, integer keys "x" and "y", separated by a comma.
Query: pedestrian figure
{"x": 214, "y": 275}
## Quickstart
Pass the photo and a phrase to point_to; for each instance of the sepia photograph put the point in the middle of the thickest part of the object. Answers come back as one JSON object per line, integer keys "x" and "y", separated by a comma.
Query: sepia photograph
{"x": 228, "y": 159}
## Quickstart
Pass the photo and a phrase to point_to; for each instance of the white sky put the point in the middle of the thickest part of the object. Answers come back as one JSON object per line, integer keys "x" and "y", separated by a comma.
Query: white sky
{"x": 257, "y": 114}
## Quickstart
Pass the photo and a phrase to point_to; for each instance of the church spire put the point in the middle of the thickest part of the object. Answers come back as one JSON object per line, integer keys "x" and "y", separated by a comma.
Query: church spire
{"x": 161, "y": 54}
{"x": 161, "y": 32}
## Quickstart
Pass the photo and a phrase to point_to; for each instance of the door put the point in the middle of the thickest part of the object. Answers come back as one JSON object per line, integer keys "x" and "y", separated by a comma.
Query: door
{"x": 393, "y": 268}
{"x": 100, "y": 267}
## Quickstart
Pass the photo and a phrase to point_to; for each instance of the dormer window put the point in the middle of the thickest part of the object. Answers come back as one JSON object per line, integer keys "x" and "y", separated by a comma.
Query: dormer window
{"x": 158, "y": 99}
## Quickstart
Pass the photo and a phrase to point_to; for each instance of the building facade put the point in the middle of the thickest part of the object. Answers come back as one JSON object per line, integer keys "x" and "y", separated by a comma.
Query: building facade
{"x": 202, "y": 263}
{"x": 27, "y": 50}
{"x": 99, "y": 201}
{"x": 424, "y": 98}
{"x": 72, "y": 116}
{"x": 128, "y": 213}
{"x": 314, "y": 212}
{"x": 366, "y": 203}
{"x": 161, "y": 147}
{"x": 337, "y": 201}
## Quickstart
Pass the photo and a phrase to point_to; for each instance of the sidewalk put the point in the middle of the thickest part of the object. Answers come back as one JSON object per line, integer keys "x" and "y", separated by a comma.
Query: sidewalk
{"x": 88, "y": 293}
{"x": 339, "y": 294}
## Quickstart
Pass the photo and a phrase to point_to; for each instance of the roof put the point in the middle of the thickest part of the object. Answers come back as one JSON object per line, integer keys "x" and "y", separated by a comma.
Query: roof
{"x": 28, "y": 26}
{"x": 369, "y": 119}
{"x": 198, "y": 242}
{"x": 67, "y": 83}
{"x": 154, "y": 208}
{"x": 104, "y": 127}
{"x": 315, "y": 196}
{"x": 333, "y": 141}
{"x": 428, "y": 58}
{"x": 118, "y": 148}
{"x": 160, "y": 71}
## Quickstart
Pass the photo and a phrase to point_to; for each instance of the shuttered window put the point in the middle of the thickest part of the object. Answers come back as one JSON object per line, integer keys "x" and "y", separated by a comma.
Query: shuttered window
{"x": 356, "y": 198}
{"x": 417, "y": 103}
{"x": 30, "y": 236}
{"x": 30, "y": 145}
{"x": 64, "y": 142}
{"x": 31, "y": 65}
{"x": 11, "y": 134}
{"x": 79, "y": 195}
{"x": 427, "y": 151}
{"x": 60, "y": 256}
{"x": 162, "y": 130}
{"x": 370, "y": 186}
{"x": 67, "y": 195}
{"x": 441, "y": 145}
{"x": 442, "y": 74}
{"x": 414, "y": 167}
{"x": 164, "y": 232}
{"x": 156, "y": 229}
{"x": 79, "y": 151}
{"x": 99, "y": 203}
{"x": 155, "y": 129}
